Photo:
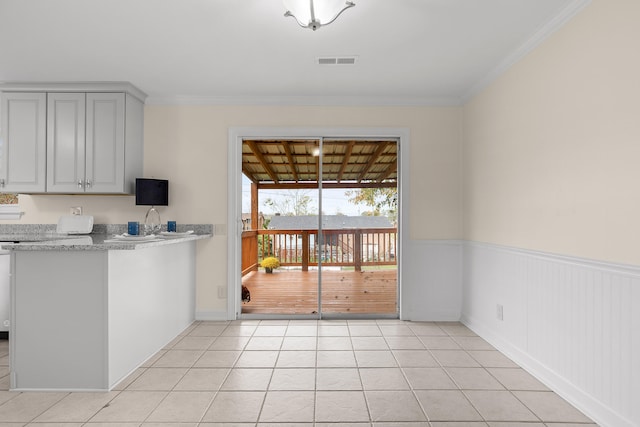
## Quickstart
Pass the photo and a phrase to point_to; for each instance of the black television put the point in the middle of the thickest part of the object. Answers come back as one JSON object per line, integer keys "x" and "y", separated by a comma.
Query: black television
{"x": 152, "y": 192}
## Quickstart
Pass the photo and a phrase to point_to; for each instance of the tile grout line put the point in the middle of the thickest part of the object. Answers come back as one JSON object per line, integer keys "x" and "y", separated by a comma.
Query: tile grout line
{"x": 364, "y": 394}
{"x": 215, "y": 394}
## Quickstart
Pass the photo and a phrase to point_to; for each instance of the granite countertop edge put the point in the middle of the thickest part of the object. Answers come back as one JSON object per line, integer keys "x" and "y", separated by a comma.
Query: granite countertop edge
{"x": 43, "y": 237}
{"x": 97, "y": 242}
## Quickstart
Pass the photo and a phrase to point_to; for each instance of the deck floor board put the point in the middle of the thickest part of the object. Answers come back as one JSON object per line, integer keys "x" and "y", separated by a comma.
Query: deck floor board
{"x": 295, "y": 292}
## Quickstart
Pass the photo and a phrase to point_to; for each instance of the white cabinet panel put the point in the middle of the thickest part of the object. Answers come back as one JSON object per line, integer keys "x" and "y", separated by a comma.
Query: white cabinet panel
{"x": 23, "y": 142}
{"x": 105, "y": 161}
{"x": 65, "y": 142}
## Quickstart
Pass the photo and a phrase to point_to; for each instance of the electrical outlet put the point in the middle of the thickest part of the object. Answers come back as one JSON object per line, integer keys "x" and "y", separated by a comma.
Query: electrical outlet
{"x": 7, "y": 324}
{"x": 499, "y": 312}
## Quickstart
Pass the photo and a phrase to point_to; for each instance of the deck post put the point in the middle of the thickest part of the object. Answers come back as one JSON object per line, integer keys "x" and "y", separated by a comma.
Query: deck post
{"x": 305, "y": 250}
{"x": 357, "y": 249}
{"x": 254, "y": 207}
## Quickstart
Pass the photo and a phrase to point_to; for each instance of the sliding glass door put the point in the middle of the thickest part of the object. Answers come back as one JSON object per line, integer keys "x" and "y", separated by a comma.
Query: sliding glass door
{"x": 358, "y": 228}
{"x": 319, "y": 231}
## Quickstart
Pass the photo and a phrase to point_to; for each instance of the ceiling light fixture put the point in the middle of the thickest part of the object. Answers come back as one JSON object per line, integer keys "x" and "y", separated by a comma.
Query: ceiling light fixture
{"x": 315, "y": 13}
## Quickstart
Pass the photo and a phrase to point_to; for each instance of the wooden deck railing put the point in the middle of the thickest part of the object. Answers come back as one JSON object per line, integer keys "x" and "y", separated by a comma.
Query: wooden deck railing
{"x": 342, "y": 247}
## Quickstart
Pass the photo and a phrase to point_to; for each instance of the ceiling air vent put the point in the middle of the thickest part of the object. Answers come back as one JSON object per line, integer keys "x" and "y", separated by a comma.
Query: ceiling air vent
{"x": 337, "y": 60}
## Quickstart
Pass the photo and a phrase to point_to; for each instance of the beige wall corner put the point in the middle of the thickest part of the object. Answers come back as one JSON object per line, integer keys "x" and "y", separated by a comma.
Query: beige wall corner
{"x": 551, "y": 148}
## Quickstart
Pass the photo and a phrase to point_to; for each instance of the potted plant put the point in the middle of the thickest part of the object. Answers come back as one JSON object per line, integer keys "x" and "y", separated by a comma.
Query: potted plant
{"x": 270, "y": 263}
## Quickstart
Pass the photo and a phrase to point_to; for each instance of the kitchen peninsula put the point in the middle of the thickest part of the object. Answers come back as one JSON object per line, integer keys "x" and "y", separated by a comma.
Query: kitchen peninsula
{"x": 88, "y": 310}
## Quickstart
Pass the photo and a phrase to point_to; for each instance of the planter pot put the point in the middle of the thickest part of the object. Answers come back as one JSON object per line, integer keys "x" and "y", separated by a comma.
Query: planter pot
{"x": 268, "y": 270}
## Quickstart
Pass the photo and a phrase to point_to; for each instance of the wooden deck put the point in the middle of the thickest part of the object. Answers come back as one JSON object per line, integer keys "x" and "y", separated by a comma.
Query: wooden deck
{"x": 295, "y": 292}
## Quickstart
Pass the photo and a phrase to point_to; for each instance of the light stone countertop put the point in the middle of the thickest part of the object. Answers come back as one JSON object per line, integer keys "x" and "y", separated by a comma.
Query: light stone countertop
{"x": 93, "y": 242}
{"x": 44, "y": 238}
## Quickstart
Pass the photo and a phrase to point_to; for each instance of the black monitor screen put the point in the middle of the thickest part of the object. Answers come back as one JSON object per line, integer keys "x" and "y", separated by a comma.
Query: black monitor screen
{"x": 152, "y": 192}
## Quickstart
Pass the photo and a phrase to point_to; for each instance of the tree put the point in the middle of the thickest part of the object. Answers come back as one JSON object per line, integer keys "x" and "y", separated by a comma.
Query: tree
{"x": 291, "y": 203}
{"x": 384, "y": 201}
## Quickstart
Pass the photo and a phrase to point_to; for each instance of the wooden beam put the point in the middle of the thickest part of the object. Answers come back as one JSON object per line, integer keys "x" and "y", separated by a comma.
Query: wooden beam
{"x": 393, "y": 167}
{"x": 292, "y": 164}
{"x": 249, "y": 174}
{"x": 311, "y": 185}
{"x": 345, "y": 161}
{"x": 373, "y": 159}
{"x": 265, "y": 164}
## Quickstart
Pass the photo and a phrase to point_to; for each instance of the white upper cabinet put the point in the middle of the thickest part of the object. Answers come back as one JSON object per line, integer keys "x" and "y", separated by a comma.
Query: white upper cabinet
{"x": 105, "y": 143}
{"x": 86, "y": 143}
{"x": 65, "y": 142}
{"x": 93, "y": 143}
{"x": 23, "y": 142}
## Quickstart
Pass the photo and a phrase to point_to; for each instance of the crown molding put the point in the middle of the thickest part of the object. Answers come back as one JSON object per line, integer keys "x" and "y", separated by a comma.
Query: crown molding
{"x": 559, "y": 20}
{"x": 336, "y": 101}
{"x": 73, "y": 87}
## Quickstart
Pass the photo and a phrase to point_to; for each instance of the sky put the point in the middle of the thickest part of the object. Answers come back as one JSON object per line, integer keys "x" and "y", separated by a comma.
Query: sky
{"x": 333, "y": 201}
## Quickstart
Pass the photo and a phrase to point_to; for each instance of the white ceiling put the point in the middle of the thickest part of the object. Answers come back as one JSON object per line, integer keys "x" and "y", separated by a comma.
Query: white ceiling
{"x": 408, "y": 51}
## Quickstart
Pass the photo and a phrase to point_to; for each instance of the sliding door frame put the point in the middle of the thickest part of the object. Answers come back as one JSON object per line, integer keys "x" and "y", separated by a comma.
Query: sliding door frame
{"x": 234, "y": 206}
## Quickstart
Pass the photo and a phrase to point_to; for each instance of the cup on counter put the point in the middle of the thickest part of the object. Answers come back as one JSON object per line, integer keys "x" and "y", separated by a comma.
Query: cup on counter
{"x": 171, "y": 226}
{"x": 133, "y": 228}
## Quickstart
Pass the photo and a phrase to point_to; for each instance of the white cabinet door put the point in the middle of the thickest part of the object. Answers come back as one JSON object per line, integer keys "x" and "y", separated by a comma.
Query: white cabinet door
{"x": 22, "y": 142}
{"x": 105, "y": 143}
{"x": 85, "y": 143}
{"x": 65, "y": 142}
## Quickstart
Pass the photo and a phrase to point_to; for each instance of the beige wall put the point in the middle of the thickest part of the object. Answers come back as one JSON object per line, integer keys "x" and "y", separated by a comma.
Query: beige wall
{"x": 188, "y": 145}
{"x": 552, "y": 148}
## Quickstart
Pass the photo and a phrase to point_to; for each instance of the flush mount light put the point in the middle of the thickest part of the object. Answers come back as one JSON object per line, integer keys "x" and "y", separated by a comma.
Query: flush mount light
{"x": 315, "y": 13}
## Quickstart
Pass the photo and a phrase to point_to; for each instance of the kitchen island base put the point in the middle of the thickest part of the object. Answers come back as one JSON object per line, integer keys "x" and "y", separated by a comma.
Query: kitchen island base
{"x": 84, "y": 320}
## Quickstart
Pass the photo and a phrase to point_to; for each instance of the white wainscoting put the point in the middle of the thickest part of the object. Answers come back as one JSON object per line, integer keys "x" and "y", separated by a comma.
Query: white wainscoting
{"x": 573, "y": 323}
{"x": 431, "y": 280}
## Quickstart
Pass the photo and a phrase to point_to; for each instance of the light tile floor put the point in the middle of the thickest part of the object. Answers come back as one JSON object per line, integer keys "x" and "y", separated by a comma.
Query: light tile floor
{"x": 302, "y": 373}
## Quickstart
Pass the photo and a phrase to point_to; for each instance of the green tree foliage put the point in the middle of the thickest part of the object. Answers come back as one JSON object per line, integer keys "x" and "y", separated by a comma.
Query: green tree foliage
{"x": 383, "y": 201}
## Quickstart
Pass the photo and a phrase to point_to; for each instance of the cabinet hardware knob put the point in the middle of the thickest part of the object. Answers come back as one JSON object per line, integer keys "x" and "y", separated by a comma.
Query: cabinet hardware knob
{"x": 79, "y": 183}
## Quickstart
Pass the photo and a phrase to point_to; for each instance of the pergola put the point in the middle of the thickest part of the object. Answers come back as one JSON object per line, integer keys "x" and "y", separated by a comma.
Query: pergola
{"x": 295, "y": 164}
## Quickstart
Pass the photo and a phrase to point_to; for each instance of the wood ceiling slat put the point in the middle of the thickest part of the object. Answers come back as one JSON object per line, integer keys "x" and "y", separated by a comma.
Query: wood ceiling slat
{"x": 347, "y": 163}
